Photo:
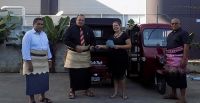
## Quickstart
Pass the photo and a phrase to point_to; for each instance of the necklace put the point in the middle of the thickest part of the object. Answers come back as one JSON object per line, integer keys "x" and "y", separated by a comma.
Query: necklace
{"x": 117, "y": 35}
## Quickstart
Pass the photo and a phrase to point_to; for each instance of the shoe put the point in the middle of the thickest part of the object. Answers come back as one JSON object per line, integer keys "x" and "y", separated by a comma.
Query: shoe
{"x": 181, "y": 101}
{"x": 71, "y": 95}
{"x": 113, "y": 96}
{"x": 170, "y": 97}
{"x": 89, "y": 93}
{"x": 46, "y": 100}
{"x": 124, "y": 97}
{"x": 32, "y": 102}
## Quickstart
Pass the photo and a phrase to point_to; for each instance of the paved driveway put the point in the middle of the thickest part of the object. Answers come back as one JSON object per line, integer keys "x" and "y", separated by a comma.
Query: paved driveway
{"x": 12, "y": 90}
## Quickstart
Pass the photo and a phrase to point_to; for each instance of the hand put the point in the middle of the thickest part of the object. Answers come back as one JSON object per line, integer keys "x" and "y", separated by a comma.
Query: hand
{"x": 78, "y": 49}
{"x": 183, "y": 63}
{"x": 98, "y": 46}
{"x": 91, "y": 47}
{"x": 101, "y": 47}
{"x": 50, "y": 64}
{"x": 30, "y": 65}
{"x": 116, "y": 46}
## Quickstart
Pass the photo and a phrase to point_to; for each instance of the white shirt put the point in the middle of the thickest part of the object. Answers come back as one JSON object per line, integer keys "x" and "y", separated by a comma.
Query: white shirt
{"x": 34, "y": 40}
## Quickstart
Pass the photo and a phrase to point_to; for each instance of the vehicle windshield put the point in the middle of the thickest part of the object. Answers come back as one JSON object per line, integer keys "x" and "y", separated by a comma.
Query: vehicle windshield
{"x": 155, "y": 37}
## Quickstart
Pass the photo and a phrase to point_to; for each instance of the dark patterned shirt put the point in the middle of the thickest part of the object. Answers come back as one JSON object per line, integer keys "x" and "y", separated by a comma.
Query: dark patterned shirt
{"x": 177, "y": 38}
{"x": 72, "y": 36}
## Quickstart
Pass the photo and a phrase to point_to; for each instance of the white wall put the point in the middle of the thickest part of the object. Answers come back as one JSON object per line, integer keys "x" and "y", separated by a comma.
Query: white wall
{"x": 125, "y": 10}
{"x": 31, "y": 6}
{"x": 103, "y": 6}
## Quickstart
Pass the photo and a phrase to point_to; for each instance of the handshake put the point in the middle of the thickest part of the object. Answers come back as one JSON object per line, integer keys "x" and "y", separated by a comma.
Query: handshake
{"x": 110, "y": 44}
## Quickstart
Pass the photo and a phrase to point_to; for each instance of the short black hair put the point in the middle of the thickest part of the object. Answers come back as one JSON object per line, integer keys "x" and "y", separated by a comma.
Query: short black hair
{"x": 36, "y": 19}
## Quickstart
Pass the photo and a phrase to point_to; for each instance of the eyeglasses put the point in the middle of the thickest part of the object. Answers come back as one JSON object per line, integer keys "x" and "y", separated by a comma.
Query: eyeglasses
{"x": 40, "y": 24}
{"x": 174, "y": 23}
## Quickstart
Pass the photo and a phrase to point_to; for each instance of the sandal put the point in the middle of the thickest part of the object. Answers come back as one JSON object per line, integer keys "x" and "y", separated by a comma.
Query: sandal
{"x": 89, "y": 93}
{"x": 113, "y": 96}
{"x": 180, "y": 101}
{"x": 71, "y": 95}
{"x": 32, "y": 102}
{"x": 46, "y": 100}
{"x": 124, "y": 97}
{"x": 170, "y": 97}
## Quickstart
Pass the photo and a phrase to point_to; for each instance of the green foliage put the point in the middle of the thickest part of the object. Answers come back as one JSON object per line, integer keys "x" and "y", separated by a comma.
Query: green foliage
{"x": 21, "y": 35}
{"x": 196, "y": 45}
{"x": 192, "y": 43}
{"x": 55, "y": 33}
{"x": 191, "y": 37}
{"x": 131, "y": 22}
{"x": 5, "y": 28}
{"x": 62, "y": 26}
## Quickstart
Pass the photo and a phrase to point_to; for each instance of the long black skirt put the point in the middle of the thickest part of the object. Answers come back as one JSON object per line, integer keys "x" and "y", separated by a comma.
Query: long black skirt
{"x": 176, "y": 80}
{"x": 118, "y": 64}
{"x": 80, "y": 79}
{"x": 37, "y": 83}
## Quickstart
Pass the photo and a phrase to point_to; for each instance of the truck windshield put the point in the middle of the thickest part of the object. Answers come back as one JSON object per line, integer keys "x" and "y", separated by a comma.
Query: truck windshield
{"x": 155, "y": 37}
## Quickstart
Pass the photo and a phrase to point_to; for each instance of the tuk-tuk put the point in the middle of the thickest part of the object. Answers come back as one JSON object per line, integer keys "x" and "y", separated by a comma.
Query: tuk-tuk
{"x": 102, "y": 28}
{"x": 147, "y": 54}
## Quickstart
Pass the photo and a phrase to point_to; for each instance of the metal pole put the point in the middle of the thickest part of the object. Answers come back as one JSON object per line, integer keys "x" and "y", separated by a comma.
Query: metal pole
{"x": 157, "y": 12}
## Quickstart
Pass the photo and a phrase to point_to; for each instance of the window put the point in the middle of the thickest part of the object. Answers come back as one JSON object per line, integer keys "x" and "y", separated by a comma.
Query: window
{"x": 155, "y": 37}
{"x": 97, "y": 33}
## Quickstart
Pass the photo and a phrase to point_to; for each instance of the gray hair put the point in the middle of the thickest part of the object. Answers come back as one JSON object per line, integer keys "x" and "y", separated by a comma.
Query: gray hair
{"x": 176, "y": 19}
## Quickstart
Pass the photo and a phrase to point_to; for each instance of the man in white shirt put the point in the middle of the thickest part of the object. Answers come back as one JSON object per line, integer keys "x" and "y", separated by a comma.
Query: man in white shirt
{"x": 37, "y": 61}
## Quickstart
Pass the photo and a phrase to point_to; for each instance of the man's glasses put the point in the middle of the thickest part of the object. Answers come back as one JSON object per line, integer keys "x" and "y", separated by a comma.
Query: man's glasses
{"x": 40, "y": 24}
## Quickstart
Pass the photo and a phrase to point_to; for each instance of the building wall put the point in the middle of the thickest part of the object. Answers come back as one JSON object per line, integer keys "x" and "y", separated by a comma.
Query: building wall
{"x": 103, "y": 6}
{"x": 125, "y": 10}
{"x": 10, "y": 59}
{"x": 142, "y": 11}
{"x": 188, "y": 12}
{"x": 32, "y": 6}
{"x": 162, "y": 11}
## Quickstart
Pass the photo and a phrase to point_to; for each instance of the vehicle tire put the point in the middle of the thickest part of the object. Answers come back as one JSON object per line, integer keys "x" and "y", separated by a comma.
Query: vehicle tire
{"x": 161, "y": 84}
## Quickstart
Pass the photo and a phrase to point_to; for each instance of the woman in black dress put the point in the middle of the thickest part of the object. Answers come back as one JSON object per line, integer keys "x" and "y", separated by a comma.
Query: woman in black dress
{"x": 118, "y": 45}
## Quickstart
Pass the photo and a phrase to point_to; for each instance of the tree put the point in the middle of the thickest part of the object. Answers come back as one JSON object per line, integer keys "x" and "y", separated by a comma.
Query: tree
{"x": 5, "y": 28}
{"x": 55, "y": 34}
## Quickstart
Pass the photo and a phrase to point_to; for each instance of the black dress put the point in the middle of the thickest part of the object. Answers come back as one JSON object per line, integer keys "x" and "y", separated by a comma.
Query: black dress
{"x": 118, "y": 62}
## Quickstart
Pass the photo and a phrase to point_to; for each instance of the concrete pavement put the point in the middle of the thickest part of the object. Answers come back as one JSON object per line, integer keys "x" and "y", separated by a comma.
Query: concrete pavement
{"x": 12, "y": 90}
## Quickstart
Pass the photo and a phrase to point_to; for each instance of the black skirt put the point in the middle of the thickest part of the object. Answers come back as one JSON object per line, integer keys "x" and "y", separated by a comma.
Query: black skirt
{"x": 37, "y": 83}
{"x": 80, "y": 79}
{"x": 176, "y": 80}
{"x": 118, "y": 64}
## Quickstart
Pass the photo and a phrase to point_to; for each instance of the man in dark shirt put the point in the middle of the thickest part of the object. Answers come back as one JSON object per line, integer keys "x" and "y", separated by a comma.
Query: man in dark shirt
{"x": 79, "y": 39}
{"x": 177, "y": 56}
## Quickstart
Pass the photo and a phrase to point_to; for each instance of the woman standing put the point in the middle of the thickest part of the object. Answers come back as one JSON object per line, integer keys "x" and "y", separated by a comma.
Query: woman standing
{"x": 118, "y": 45}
